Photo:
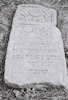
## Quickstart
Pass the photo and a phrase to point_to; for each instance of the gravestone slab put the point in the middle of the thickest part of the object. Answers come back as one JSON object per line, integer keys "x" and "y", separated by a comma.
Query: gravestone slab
{"x": 35, "y": 51}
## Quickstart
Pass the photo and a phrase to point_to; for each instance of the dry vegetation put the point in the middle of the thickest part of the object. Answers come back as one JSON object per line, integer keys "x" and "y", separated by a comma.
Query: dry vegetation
{"x": 37, "y": 91}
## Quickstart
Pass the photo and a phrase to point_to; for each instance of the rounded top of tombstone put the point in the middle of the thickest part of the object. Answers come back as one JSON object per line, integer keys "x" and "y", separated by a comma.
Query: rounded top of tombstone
{"x": 38, "y": 13}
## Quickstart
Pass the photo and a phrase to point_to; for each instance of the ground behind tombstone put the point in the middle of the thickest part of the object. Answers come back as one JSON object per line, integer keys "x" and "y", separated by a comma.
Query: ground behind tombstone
{"x": 40, "y": 91}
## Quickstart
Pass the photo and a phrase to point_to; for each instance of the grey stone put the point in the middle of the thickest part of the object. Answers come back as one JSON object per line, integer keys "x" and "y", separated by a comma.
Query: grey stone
{"x": 35, "y": 51}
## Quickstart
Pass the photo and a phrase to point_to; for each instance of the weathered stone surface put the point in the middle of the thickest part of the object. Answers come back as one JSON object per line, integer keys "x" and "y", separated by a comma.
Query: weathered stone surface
{"x": 35, "y": 51}
{"x": 35, "y": 14}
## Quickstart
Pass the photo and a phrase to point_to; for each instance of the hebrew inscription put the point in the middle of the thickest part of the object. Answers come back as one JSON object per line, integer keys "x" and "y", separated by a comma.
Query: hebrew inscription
{"x": 35, "y": 51}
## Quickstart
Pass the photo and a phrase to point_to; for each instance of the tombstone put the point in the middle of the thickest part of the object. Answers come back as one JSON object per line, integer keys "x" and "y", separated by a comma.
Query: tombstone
{"x": 35, "y": 51}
